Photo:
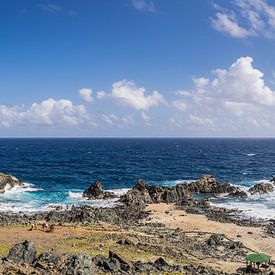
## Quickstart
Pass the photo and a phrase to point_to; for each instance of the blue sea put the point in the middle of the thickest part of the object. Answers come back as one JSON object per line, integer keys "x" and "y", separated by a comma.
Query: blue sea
{"x": 56, "y": 171}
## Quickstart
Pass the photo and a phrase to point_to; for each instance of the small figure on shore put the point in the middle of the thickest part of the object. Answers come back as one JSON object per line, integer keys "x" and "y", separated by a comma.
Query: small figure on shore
{"x": 33, "y": 226}
{"x": 52, "y": 226}
{"x": 45, "y": 226}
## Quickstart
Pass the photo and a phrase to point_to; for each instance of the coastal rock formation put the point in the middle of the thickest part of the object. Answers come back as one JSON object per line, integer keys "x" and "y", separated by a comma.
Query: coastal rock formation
{"x": 143, "y": 194}
{"x": 238, "y": 194}
{"x": 22, "y": 253}
{"x": 8, "y": 181}
{"x": 96, "y": 191}
{"x": 261, "y": 188}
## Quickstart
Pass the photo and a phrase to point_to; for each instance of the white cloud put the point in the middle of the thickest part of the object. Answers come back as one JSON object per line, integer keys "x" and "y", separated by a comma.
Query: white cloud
{"x": 127, "y": 93}
{"x": 236, "y": 99}
{"x": 227, "y": 23}
{"x": 114, "y": 120}
{"x": 146, "y": 118}
{"x": 144, "y": 5}
{"x": 101, "y": 94}
{"x": 201, "y": 121}
{"x": 179, "y": 104}
{"x": 86, "y": 94}
{"x": 49, "y": 112}
{"x": 246, "y": 18}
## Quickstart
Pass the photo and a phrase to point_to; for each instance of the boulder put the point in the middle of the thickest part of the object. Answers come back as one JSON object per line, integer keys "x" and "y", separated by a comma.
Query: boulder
{"x": 8, "y": 181}
{"x": 96, "y": 191}
{"x": 215, "y": 240}
{"x": 81, "y": 264}
{"x": 261, "y": 188}
{"x": 238, "y": 194}
{"x": 161, "y": 264}
{"x": 24, "y": 252}
{"x": 46, "y": 260}
{"x": 124, "y": 264}
{"x": 138, "y": 196}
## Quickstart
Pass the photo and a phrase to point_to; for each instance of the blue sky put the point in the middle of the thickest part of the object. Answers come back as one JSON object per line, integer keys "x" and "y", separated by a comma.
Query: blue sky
{"x": 137, "y": 68}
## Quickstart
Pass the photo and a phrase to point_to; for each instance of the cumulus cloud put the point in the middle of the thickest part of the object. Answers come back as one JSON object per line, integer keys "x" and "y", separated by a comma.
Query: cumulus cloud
{"x": 241, "y": 83}
{"x": 246, "y": 18}
{"x": 144, "y": 5}
{"x": 235, "y": 98}
{"x": 49, "y": 112}
{"x": 86, "y": 94}
{"x": 127, "y": 93}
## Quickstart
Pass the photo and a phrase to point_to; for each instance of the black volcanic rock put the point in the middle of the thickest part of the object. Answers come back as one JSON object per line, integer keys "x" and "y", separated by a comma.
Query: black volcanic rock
{"x": 261, "y": 188}
{"x": 24, "y": 252}
{"x": 238, "y": 194}
{"x": 96, "y": 191}
{"x": 143, "y": 194}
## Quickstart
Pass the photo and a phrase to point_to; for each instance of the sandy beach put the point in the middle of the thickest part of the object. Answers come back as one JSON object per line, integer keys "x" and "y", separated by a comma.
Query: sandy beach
{"x": 252, "y": 237}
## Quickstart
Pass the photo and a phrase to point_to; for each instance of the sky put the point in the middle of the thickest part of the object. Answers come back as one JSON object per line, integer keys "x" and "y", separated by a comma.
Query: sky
{"x": 137, "y": 68}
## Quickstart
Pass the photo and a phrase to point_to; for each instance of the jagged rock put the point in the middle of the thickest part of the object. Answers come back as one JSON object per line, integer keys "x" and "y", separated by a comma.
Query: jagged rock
{"x": 238, "y": 194}
{"x": 261, "y": 188}
{"x": 270, "y": 229}
{"x": 161, "y": 264}
{"x": 138, "y": 196}
{"x": 24, "y": 252}
{"x": 81, "y": 264}
{"x": 124, "y": 265}
{"x": 96, "y": 191}
{"x": 143, "y": 194}
{"x": 8, "y": 181}
{"x": 46, "y": 260}
{"x": 215, "y": 240}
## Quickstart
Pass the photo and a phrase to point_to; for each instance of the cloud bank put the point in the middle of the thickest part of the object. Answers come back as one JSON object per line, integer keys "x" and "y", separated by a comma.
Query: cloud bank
{"x": 234, "y": 101}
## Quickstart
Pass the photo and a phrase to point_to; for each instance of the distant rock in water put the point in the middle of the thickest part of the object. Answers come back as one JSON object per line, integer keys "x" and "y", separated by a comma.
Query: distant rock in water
{"x": 261, "y": 188}
{"x": 238, "y": 194}
{"x": 96, "y": 192}
{"x": 143, "y": 194}
{"x": 8, "y": 181}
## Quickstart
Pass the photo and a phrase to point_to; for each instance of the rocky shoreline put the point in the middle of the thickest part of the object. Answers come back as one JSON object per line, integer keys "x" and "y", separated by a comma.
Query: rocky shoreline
{"x": 131, "y": 205}
{"x": 131, "y": 214}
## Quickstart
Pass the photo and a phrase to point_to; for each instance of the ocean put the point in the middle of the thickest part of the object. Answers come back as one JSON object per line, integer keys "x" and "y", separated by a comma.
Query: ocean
{"x": 57, "y": 171}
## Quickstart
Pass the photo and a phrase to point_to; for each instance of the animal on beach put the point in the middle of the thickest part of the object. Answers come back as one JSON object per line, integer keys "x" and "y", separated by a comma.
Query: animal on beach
{"x": 42, "y": 226}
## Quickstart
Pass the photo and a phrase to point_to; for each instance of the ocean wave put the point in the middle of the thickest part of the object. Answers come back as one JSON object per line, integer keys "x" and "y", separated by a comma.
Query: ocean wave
{"x": 258, "y": 210}
{"x": 76, "y": 195}
{"x": 171, "y": 182}
{"x": 26, "y": 187}
{"x": 119, "y": 191}
{"x": 251, "y": 154}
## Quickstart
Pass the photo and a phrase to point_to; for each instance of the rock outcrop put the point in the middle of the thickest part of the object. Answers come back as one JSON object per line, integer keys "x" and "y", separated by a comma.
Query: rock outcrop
{"x": 8, "y": 181}
{"x": 143, "y": 194}
{"x": 96, "y": 191}
{"x": 238, "y": 194}
{"x": 261, "y": 188}
{"x": 25, "y": 262}
{"x": 22, "y": 253}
